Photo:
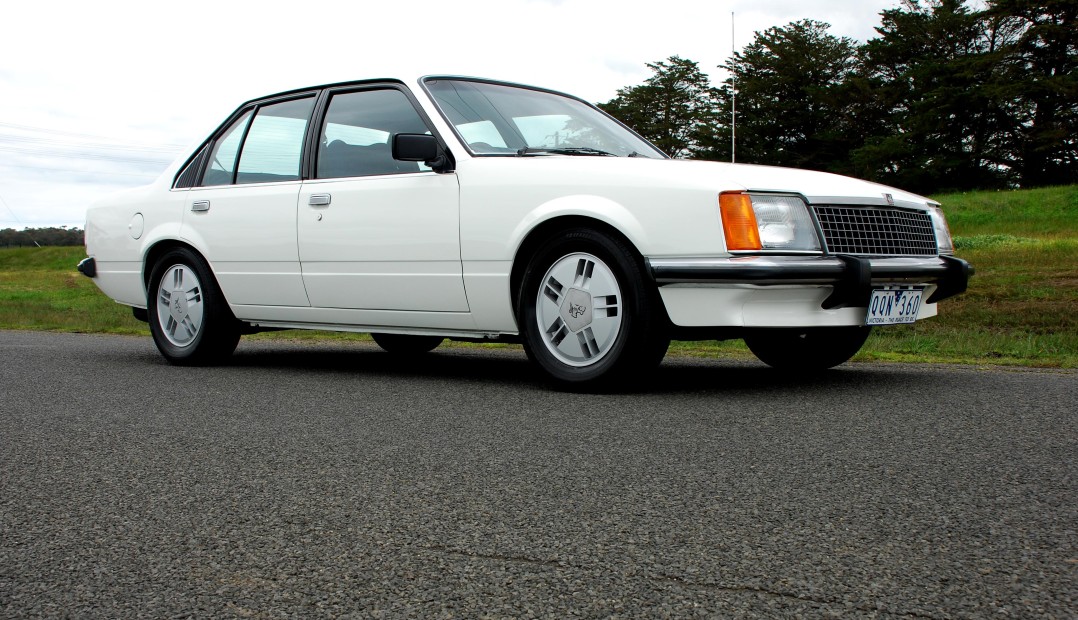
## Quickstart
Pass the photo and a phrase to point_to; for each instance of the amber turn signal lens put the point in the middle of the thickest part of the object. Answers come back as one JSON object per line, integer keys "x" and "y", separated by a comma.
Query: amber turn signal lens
{"x": 739, "y": 221}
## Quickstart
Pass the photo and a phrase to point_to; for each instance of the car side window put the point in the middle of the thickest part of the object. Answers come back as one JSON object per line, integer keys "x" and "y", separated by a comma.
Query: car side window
{"x": 223, "y": 160}
{"x": 274, "y": 145}
{"x": 357, "y": 131}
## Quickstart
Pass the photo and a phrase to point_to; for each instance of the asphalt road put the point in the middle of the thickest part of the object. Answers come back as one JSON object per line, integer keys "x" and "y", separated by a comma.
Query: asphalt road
{"x": 329, "y": 480}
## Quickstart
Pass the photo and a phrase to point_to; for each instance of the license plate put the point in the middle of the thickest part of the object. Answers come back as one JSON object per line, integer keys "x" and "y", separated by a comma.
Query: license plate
{"x": 893, "y": 306}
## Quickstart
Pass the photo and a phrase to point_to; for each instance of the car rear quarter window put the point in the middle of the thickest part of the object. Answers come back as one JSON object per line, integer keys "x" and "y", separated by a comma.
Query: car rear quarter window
{"x": 222, "y": 166}
{"x": 188, "y": 177}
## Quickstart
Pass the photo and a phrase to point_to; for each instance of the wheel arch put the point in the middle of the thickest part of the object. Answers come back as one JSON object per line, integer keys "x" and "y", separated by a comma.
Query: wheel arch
{"x": 551, "y": 227}
{"x": 214, "y": 332}
{"x": 158, "y": 249}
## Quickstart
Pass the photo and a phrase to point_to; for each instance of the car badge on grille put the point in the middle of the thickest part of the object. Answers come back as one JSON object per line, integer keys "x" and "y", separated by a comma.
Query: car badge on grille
{"x": 890, "y": 199}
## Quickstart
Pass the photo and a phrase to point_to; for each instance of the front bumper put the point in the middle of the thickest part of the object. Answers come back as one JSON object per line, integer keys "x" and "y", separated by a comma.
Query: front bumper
{"x": 853, "y": 277}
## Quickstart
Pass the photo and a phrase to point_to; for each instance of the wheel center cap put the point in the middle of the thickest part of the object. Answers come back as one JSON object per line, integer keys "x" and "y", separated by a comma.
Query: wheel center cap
{"x": 178, "y": 306}
{"x": 576, "y": 309}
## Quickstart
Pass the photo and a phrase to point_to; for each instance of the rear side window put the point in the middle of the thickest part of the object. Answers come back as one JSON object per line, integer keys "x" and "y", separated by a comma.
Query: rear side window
{"x": 274, "y": 145}
{"x": 222, "y": 165}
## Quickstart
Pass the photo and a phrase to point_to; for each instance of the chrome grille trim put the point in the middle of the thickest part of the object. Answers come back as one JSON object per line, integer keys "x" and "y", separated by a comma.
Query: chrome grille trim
{"x": 876, "y": 231}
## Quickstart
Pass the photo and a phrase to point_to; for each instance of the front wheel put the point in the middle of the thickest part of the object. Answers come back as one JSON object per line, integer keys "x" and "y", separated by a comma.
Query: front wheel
{"x": 190, "y": 322}
{"x": 587, "y": 313}
{"x": 807, "y": 349}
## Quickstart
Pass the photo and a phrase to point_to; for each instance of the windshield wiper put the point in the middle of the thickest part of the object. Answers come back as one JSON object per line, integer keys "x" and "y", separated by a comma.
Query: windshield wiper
{"x": 569, "y": 150}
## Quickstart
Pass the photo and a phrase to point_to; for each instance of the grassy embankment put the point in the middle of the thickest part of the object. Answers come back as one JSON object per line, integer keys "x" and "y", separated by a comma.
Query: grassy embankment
{"x": 1020, "y": 308}
{"x": 1021, "y": 305}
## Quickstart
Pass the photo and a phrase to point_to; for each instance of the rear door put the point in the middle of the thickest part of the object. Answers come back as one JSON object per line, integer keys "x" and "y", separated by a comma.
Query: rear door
{"x": 242, "y": 213}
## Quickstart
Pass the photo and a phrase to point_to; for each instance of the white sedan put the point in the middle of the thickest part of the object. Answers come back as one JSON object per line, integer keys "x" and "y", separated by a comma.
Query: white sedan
{"x": 451, "y": 207}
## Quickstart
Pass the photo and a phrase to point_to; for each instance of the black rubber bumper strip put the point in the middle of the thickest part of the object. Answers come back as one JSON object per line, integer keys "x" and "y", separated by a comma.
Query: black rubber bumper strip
{"x": 852, "y": 276}
{"x": 88, "y": 267}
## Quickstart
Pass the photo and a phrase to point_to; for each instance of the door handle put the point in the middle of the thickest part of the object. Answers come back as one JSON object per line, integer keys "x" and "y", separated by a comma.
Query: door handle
{"x": 320, "y": 200}
{"x": 200, "y": 205}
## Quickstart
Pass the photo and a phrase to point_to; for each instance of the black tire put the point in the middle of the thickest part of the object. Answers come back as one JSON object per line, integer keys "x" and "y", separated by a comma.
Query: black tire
{"x": 811, "y": 349}
{"x": 579, "y": 344}
{"x": 198, "y": 330}
{"x": 403, "y": 344}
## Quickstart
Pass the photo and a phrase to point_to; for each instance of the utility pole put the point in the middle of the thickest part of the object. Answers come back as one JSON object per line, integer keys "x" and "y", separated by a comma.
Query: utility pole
{"x": 733, "y": 96}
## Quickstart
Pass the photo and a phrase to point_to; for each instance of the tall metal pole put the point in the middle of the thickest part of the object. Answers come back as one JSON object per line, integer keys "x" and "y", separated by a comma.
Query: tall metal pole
{"x": 733, "y": 96}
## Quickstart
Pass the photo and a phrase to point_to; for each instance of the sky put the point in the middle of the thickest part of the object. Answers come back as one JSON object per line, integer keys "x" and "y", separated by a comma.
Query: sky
{"x": 96, "y": 97}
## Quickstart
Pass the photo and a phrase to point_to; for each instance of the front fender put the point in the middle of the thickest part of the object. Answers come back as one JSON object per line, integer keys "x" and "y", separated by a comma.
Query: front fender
{"x": 593, "y": 207}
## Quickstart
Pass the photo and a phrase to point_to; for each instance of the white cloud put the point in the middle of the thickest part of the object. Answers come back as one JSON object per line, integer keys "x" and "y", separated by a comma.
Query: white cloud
{"x": 152, "y": 75}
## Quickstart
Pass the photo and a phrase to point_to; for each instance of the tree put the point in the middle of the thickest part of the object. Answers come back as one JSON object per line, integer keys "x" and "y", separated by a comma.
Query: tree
{"x": 674, "y": 108}
{"x": 1042, "y": 68}
{"x": 790, "y": 107}
{"x": 941, "y": 99}
{"x": 30, "y": 237}
{"x": 945, "y": 98}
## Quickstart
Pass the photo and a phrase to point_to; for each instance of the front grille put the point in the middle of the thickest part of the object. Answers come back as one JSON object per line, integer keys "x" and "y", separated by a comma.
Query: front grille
{"x": 876, "y": 231}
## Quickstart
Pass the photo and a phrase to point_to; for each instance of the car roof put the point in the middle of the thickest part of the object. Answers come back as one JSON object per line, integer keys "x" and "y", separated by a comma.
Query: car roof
{"x": 416, "y": 79}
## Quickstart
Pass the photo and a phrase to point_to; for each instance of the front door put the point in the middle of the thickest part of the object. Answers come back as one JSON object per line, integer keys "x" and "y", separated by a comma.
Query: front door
{"x": 376, "y": 233}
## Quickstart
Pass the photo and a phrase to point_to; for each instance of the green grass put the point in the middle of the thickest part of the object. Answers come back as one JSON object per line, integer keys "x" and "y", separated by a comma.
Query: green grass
{"x": 40, "y": 289}
{"x": 1044, "y": 213}
{"x": 1020, "y": 306}
{"x": 1019, "y": 310}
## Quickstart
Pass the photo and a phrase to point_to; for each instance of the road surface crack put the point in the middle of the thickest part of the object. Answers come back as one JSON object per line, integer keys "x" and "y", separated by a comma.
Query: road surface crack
{"x": 684, "y": 582}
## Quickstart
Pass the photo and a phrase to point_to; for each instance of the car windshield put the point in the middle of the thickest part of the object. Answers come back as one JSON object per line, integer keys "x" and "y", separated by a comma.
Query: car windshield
{"x": 497, "y": 119}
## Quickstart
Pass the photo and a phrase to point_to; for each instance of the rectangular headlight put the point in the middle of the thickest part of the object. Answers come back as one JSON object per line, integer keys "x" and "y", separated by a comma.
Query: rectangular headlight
{"x": 767, "y": 222}
{"x": 944, "y": 243}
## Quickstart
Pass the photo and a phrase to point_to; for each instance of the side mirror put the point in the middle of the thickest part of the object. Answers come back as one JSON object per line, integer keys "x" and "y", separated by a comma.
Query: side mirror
{"x": 420, "y": 147}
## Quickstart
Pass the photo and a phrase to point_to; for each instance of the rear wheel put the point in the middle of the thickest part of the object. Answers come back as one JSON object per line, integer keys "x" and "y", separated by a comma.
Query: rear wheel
{"x": 808, "y": 349}
{"x": 404, "y": 344}
{"x": 190, "y": 322}
{"x": 587, "y": 313}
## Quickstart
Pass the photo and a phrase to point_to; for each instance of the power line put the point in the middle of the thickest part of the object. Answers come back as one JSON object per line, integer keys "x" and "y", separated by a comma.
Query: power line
{"x": 4, "y": 202}
{"x": 89, "y": 156}
{"x": 88, "y": 145}
{"x": 93, "y": 172}
{"x": 72, "y": 133}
